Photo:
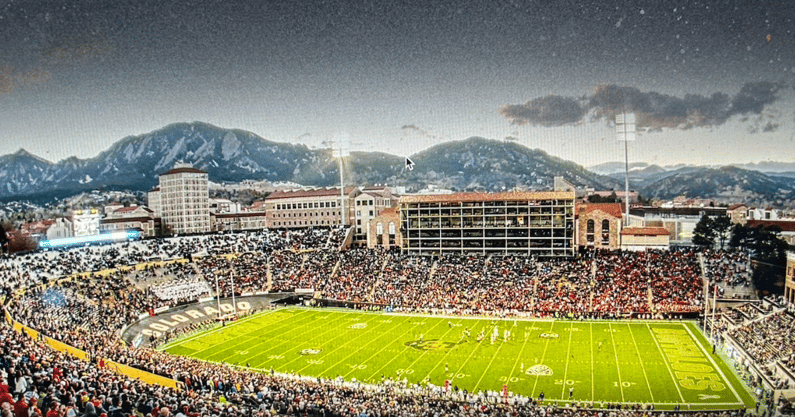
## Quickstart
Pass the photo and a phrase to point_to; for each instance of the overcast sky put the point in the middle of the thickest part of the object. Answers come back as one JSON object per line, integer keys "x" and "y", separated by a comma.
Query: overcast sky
{"x": 711, "y": 81}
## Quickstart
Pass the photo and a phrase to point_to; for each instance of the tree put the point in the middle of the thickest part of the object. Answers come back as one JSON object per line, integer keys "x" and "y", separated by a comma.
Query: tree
{"x": 768, "y": 252}
{"x": 722, "y": 227}
{"x": 704, "y": 232}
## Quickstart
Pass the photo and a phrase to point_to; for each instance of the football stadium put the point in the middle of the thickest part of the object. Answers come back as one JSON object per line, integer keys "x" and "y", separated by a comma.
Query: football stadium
{"x": 297, "y": 323}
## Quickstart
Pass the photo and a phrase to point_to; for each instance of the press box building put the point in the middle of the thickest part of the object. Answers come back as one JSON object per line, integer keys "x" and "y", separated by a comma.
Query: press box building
{"x": 531, "y": 223}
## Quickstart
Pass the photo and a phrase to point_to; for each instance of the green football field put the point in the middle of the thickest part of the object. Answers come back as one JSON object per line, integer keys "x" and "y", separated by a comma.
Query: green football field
{"x": 620, "y": 362}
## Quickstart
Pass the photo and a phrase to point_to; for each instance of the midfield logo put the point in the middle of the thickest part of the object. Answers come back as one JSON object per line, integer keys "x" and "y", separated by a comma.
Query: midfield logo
{"x": 431, "y": 344}
{"x": 541, "y": 370}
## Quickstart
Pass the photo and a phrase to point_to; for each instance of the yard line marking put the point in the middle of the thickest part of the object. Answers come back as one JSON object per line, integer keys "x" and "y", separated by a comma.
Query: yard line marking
{"x": 717, "y": 368}
{"x": 618, "y": 367}
{"x": 544, "y": 355}
{"x": 667, "y": 365}
{"x": 518, "y": 357}
{"x": 404, "y": 350}
{"x": 425, "y": 351}
{"x": 593, "y": 393}
{"x": 443, "y": 358}
{"x": 640, "y": 359}
{"x": 467, "y": 360}
{"x": 355, "y": 351}
{"x": 179, "y": 342}
{"x": 288, "y": 341}
{"x": 566, "y": 368}
{"x": 384, "y": 348}
{"x": 275, "y": 330}
{"x": 488, "y": 367}
{"x": 259, "y": 328}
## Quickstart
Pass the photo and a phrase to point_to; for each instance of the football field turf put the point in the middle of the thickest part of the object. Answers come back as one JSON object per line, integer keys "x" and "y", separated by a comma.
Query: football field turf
{"x": 664, "y": 363}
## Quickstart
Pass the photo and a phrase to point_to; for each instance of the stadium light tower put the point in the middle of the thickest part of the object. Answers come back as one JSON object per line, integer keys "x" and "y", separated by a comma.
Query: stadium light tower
{"x": 339, "y": 148}
{"x": 625, "y": 131}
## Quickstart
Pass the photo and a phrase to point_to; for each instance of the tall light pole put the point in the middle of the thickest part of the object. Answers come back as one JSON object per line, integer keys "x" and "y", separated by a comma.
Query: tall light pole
{"x": 625, "y": 131}
{"x": 339, "y": 148}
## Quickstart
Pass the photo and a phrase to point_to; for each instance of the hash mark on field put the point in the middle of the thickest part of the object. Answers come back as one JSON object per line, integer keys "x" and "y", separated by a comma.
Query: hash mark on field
{"x": 667, "y": 366}
{"x": 425, "y": 351}
{"x": 402, "y": 351}
{"x": 180, "y": 342}
{"x": 356, "y": 350}
{"x": 282, "y": 343}
{"x": 444, "y": 357}
{"x": 640, "y": 359}
{"x": 544, "y": 355}
{"x": 566, "y": 368}
{"x": 257, "y": 329}
{"x": 615, "y": 351}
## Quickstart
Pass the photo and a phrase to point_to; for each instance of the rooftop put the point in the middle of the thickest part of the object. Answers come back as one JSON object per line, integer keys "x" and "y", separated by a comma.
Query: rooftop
{"x": 474, "y": 196}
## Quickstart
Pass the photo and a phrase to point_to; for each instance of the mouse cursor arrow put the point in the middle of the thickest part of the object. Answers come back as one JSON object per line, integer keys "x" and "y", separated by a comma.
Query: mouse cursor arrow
{"x": 409, "y": 164}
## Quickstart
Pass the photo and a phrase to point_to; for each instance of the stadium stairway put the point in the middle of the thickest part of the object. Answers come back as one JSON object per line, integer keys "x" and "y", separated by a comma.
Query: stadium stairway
{"x": 378, "y": 282}
{"x": 269, "y": 276}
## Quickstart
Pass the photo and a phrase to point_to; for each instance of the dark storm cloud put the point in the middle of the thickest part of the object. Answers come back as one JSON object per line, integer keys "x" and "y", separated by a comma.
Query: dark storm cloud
{"x": 753, "y": 97}
{"x": 545, "y": 111}
{"x": 654, "y": 110}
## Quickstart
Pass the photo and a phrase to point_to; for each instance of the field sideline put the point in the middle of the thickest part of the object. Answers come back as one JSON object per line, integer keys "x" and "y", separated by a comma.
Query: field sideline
{"x": 664, "y": 363}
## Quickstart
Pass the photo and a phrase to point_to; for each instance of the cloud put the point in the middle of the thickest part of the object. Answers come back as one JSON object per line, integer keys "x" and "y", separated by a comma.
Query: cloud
{"x": 419, "y": 131}
{"x": 78, "y": 50}
{"x": 770, "y": 127}
{"x": 10, "y": 79}
{"x": 654, "y": 110}
{"x": 545, "y": 111}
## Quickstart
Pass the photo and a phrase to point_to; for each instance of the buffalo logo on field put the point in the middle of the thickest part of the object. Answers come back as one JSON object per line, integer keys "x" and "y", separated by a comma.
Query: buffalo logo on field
{"x": 358, "y": 326}
{"x": 549, "y": 335}
{"x": 431, "y": 344}
{"x": 310, "y": 351}
{"x": 539, "y": 370}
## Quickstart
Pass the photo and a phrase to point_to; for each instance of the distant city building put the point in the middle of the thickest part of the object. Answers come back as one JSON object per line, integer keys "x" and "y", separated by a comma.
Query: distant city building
{"x": 126, "y": 218}
{"x": 531, "y": 223}
{"x": 153, "y": 201}
{"x": 644, "y": 238}
{"x": 310, "y": 208}
{"x": 763, "y": 214}
{"x": 60, "y": 228}
{"x": 222, "y": 205}
{"x": 738, "y": 213}
{"x": 184, "y": 200}
{"x": 787, "y": 228}
{"x": 242, "y": 220}
{"x": 679, "y": 221}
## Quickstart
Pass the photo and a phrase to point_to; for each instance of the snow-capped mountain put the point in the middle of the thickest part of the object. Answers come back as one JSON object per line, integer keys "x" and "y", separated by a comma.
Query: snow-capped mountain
{"x": 230, "y": 155}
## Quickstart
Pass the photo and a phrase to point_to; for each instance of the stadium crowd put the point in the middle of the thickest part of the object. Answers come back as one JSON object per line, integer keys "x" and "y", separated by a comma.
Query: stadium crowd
{"x": 90, "y": 312}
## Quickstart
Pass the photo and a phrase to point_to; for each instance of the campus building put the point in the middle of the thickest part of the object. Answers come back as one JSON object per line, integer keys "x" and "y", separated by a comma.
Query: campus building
{"x": 599, "y": 225}
{"x": 309, "y": 208}
{"x": 531, "y": 223}
{"x": 183, "y": 199}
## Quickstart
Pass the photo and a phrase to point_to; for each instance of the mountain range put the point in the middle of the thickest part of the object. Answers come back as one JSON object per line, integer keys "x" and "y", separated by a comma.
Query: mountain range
{"x": 231, "y": 155}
